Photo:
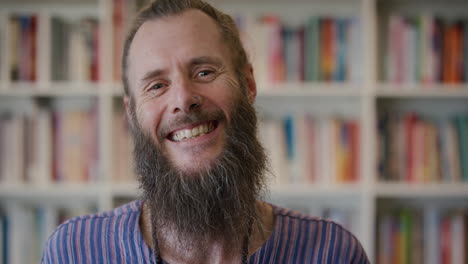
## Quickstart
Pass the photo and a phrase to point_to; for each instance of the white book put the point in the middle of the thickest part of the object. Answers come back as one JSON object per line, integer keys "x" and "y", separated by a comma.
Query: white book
{"x": 410, "y": 52}
{"x": 7, "y": 144}
{"x": 354, "y": 51}
{"x": 395, "y": 49}
{"x": 44, "y": 147}
{"x": 428, "y": 57}
{"x": 385, "y": 243}
{"x": 3, "y": 149}
{"x": 19, "y": 234}
{"x": 256, "y": 40}
{"x": 273, "y": 139}
{"x": 300, "y": 145}
{"x": 14, "y": 165}
{"x": 50, "y": 220}
{"x": 458, "y": 239}
{"x": 75, "y": 51}
{"x": 432, "y": 236}
{"x": 326, "y": 160}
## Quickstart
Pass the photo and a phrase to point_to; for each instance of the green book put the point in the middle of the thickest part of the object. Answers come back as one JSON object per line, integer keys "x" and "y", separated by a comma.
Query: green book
{"x": 461, "y": 123}
{"x": 406, "y": 230}
{"x": 312, "y": 49}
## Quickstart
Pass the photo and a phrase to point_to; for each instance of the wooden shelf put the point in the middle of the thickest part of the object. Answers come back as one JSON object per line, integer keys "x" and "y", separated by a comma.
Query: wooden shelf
{"x": 54, "y": 89}
{"x": 405, "y": 190}
{"x": 34, "y": 192}
{"x": 422, "y": 91}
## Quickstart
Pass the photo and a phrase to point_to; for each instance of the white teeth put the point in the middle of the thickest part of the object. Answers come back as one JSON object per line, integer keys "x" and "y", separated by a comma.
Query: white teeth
{"x": 194, "y": 132}
{"x": 188, "y": 133}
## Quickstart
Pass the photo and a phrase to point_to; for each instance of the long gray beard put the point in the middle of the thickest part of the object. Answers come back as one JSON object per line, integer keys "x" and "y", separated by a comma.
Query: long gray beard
{"x": 213, "y": 204}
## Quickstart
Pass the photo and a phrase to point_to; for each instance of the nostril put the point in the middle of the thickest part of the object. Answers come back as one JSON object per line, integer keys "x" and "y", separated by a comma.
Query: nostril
{"x": 193, "y": 106}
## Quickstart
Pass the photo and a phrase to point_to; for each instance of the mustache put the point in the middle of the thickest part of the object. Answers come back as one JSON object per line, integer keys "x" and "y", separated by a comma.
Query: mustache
{"x": 190, "y": 118}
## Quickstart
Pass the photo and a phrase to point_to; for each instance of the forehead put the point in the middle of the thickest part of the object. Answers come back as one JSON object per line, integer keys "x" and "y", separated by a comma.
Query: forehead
{"x": 176, "y": 37}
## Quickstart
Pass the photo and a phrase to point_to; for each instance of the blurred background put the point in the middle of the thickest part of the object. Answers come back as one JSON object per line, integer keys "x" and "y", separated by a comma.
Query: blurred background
{"x": 363, "y": 107}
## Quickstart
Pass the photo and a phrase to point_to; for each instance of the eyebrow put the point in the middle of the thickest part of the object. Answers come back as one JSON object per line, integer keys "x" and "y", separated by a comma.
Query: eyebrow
{"x": 151, "y": 75}
{"x": 205, "y": 60}
{"x": 193, "y": 62}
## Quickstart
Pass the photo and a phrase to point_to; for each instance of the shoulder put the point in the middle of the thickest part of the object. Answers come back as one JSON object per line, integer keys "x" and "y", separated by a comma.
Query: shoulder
{"x": 316, "y": 240}
{"x": 88, "y": 233}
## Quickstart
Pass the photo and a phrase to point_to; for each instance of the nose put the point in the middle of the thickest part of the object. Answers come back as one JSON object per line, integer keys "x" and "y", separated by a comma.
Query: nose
{"x": 186, "y": 98}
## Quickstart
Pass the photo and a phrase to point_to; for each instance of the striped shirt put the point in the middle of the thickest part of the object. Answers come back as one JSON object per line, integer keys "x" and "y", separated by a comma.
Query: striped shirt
{"x": 115, "y": 237}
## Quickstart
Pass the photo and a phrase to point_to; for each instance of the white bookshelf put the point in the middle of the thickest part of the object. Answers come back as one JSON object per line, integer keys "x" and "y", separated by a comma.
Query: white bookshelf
{"x": 362, "y": 100}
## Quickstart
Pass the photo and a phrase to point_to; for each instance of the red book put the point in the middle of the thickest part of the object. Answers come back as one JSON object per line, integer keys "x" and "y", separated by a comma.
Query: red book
{"x": 276, "y": 64}
{"x": 95, "y": 56}
{"x": 445, "y": 240}
{"x": 117, "y": 19}
{"x": 33, "y": 49}
{"x": 354, "y": 149}
{"x": 326, "y": 45}
{"x": 458, "y": 51}
{"x": 452, "y": 62}
{"x": 301, "y": 36}
{"x": 409, "y": 124}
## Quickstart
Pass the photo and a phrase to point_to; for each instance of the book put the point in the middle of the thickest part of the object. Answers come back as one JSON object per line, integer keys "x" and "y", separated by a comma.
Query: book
{"x": 74, "y": 49}
{"x": 425, "y": 49}
{"x": 417, "y": 150}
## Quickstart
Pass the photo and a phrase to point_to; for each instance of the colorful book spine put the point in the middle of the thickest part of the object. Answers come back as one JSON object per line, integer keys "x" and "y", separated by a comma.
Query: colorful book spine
{"x": 426, "y": 49}
{"x": 311, "y": 149}
{"x": 416, "y": 150}
{"x": 324, "y": 49}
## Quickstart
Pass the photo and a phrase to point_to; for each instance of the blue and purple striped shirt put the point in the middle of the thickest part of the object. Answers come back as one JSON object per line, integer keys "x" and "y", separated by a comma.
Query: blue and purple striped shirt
{"x": 115, "y": 237}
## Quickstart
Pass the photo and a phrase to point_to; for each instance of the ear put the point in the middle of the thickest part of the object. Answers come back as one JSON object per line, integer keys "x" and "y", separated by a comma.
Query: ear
{"x": 126, "y": 101}
{"x": 251, "y": 84}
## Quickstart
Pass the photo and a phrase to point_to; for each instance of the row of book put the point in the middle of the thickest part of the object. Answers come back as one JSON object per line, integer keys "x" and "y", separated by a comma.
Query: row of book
{"x": 417, "y": 149}
{"x": 430, "y": 236}
{"x": 48, "y": 146}
{"x": 322, "y": 49}
{"x": 122, "y": 158}
{"x": 427, "y": 49}
{"x": 23, "y": 47}
{"x": 26, "y": 228}
{"x": 308, "y": 149}
{"x": 74, "y": 49}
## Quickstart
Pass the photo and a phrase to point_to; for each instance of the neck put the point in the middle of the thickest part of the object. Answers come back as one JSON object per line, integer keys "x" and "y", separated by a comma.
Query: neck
{"x": 216, "y": 251}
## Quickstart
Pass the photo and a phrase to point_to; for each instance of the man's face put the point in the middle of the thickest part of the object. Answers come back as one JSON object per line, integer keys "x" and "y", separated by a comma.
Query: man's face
{"x": 183, "y": 82}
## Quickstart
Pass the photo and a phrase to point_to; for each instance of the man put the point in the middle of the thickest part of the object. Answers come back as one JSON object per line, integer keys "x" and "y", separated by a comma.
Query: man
{"x": 189, "y": 90}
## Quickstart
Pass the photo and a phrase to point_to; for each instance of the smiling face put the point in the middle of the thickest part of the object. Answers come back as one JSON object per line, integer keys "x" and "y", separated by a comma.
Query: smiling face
{"x": 183, "y": 85}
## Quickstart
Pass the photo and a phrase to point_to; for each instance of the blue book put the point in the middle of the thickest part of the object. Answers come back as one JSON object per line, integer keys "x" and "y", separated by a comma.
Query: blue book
{"x": 341, "y": 33}
{"x": 4, "y": 239}
{"x": 289, "y": 133}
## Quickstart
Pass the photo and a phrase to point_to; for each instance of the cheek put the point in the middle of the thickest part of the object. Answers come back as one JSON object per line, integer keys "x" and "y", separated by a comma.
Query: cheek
{"x": 224, "y": 95}
{"x": 149, "y": 115}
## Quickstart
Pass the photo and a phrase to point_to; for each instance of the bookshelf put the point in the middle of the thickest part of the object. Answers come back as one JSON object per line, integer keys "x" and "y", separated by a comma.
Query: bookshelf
{"x": 362, "y": 98}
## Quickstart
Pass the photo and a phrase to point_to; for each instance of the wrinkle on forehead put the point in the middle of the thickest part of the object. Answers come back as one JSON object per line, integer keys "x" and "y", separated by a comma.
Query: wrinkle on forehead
{"x": 169, "y": 33}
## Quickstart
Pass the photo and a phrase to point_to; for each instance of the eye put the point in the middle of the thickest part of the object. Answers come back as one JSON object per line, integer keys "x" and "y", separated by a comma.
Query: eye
{"x": 204, "y": 73}
{"x": 157, "y": 86}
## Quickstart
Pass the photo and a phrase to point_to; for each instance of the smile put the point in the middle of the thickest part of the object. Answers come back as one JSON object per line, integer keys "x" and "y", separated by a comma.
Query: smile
{"x": 193, "y": 132}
